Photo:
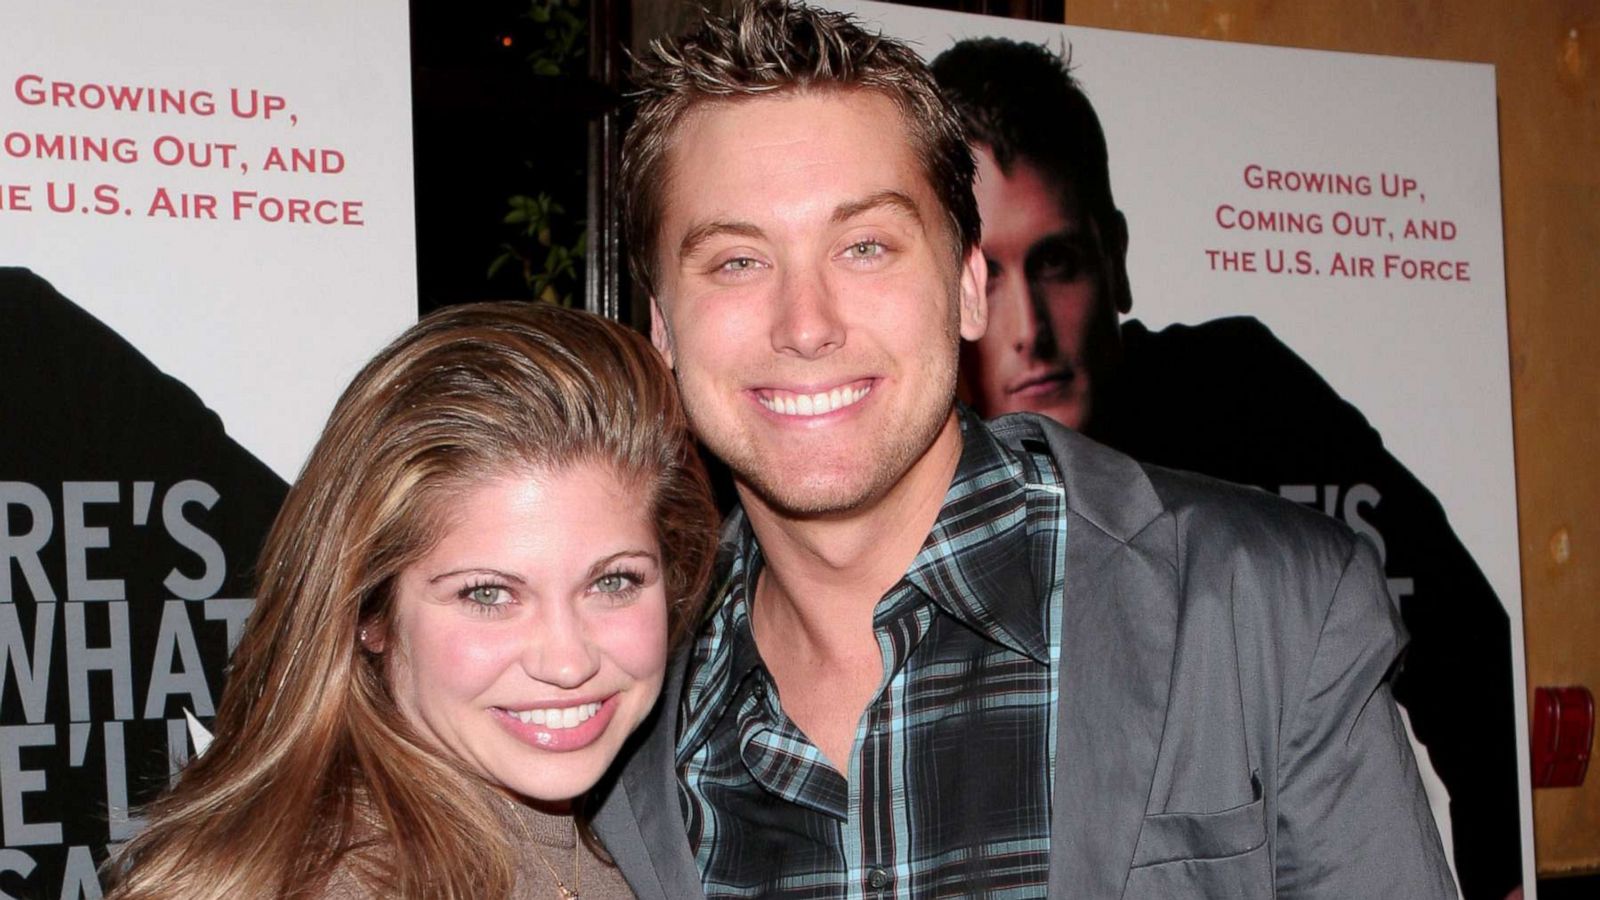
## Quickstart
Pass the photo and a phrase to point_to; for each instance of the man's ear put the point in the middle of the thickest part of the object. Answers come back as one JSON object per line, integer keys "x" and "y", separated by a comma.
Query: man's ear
{"x": 974, "y": 294}
{"x": 660, "y": 335}
{"x": 1117, "y": 250}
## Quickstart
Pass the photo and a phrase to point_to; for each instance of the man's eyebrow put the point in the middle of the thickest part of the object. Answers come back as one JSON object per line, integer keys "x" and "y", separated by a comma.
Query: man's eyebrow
{"x": 844, "y": 212}
{"x": 699, "y": 234}
{"x": 893, "y": 199}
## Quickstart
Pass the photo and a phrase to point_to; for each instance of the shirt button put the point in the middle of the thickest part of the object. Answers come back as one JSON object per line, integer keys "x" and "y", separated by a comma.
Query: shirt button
{"x": 878, "y": 878}
{"x": 759, "y": 689}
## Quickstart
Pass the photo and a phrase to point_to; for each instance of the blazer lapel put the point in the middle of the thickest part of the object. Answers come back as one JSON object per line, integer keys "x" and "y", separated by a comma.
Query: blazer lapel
{"x": 1118, "y": 627}
{"x": 639, "y": 821}
{"x": 1119, "y": 621}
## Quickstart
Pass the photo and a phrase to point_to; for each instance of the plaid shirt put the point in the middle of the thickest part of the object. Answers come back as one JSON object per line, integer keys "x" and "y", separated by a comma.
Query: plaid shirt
{"x": 954, "y": 758}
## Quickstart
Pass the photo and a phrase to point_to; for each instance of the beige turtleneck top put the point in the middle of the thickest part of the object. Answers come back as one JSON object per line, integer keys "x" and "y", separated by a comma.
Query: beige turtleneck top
{"x": 551, "y": 843}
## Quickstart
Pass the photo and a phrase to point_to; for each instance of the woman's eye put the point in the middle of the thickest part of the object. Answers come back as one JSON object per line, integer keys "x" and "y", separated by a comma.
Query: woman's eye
{"x": 486, "y": 594}
{"x": 614, "y": 583}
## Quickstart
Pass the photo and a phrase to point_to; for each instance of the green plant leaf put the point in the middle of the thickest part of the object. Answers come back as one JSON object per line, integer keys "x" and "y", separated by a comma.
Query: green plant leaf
{"x": 498, "y": 264}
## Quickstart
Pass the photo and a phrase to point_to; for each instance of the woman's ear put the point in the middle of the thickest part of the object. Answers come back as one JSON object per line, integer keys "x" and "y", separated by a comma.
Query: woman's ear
{"x": 371, "y": 637}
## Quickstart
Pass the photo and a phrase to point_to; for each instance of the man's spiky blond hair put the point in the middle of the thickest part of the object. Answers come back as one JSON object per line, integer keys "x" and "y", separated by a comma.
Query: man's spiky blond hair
{"x": 768, "y": 46}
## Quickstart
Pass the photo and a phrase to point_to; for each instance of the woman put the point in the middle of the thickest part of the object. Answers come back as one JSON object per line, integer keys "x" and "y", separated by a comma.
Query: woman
{"x": 463, "y": 609}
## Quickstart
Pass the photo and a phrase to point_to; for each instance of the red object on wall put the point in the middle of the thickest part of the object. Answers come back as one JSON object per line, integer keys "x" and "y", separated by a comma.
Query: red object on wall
{"x": 1563, "y": 733}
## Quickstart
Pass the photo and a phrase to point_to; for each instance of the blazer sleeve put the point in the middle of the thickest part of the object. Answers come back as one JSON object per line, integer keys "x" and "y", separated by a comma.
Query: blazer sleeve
{"x": 1352, "y": 816}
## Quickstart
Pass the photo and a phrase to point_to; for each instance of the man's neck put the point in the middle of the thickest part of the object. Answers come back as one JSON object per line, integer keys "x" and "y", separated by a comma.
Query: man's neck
{"x": 823, "y": 576}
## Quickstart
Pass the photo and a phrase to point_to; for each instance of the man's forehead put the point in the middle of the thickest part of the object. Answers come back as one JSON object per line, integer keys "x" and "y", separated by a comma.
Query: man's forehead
{"x": 1024, "y": 175}
{"x": 708, "y": 123}
{"x": 736, "y": 158}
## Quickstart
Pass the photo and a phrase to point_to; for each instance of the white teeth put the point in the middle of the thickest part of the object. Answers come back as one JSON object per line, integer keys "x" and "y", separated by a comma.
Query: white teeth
{"x": 813, "y": 404}
{"x": 557, "y": 719}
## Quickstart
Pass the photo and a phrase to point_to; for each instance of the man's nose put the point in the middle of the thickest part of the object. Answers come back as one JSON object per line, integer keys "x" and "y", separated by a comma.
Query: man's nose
{"x": 1041, "y": 331}
{"x": 1020, "y": 305}
{"x": 808, "y": 322}
{"x": 559, "y": 650}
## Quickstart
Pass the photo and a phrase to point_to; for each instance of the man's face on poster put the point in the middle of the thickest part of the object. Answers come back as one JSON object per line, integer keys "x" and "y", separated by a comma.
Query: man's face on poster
{"x": 1055, "y": 290}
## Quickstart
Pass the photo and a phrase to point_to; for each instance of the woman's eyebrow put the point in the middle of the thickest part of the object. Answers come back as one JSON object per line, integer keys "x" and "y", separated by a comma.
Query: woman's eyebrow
{"x": 601, "y": 565}
{"x": 478, "y": 570}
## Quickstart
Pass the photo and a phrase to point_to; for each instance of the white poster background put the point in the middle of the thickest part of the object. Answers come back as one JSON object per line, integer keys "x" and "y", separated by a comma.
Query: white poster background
{"x": 266, "y": 321}
{"x": 1425, "y": 362}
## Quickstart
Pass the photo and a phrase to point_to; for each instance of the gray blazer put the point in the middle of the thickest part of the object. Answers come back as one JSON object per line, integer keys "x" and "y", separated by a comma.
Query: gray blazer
{"x": 1226, "y": 726}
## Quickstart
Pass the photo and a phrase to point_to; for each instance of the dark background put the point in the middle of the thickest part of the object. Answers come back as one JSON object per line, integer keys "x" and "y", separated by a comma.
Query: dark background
{"x": 489, "y": 126}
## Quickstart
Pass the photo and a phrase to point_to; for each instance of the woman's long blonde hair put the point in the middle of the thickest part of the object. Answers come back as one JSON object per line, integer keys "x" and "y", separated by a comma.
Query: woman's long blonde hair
{"x": 312, "y": 764}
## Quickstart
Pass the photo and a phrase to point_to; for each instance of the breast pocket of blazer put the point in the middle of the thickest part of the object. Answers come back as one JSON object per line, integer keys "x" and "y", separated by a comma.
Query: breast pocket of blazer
{"x": 1216, "y": 854}
{"x": 1208, "y": 854}
{"x": 1173, "y": 837}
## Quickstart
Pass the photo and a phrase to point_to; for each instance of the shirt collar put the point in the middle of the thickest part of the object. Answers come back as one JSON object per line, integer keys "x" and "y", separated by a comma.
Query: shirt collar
{"x": 724, "y": 652}
{"x": 976, "y": 565}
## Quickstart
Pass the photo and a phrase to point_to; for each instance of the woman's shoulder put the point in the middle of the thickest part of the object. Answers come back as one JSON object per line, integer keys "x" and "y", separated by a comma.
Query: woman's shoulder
{"x": 343, "y": 884}
{"x": 356, "y": 875}
{"x": 351, "y": 879}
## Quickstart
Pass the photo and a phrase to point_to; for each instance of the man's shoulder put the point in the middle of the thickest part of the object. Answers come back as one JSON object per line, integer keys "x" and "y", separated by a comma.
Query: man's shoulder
{"x": 1226, "y": 553}
{"x": 1212, "y": 517}
{"x": 1228, "y": 396}
{"x": 1201, "y": 503}
{"x": 1205, "y": 336}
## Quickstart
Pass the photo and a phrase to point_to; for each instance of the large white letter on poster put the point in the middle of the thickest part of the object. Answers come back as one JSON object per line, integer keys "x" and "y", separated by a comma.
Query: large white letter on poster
{"x": 205, "y": 227}
{"x": 1289, "y": 275}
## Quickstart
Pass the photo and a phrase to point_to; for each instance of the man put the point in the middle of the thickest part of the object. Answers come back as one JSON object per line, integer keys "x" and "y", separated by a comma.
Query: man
{"x": 1225, "y": 398}
{"x": 950, "y": 658}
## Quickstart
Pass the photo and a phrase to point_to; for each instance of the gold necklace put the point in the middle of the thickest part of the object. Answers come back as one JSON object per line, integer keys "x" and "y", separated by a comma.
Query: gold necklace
{"x": 565, "y": 893}
{"x": 562, "y": 891}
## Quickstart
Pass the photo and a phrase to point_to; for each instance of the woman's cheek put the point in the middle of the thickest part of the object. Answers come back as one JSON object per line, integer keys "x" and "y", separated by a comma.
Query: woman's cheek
{"x": 637, "y": 640}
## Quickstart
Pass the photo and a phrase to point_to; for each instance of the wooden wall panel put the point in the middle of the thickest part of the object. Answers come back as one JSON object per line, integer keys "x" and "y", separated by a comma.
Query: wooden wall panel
{"x": 1547, "y": 59}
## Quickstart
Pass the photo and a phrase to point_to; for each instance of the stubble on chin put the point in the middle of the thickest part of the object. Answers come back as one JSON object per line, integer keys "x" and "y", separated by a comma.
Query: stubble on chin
{"x": 842, "y": 487}
{"x": 813, "y": 487}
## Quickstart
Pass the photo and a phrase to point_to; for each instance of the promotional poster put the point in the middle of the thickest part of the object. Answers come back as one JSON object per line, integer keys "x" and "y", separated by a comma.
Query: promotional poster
{"x": 1284, "y": 268}
{"x": 205, "y": 228}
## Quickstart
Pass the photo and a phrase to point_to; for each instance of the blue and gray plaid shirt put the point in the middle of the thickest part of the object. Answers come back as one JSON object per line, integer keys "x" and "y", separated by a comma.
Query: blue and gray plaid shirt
{"x": 955, "y": 756}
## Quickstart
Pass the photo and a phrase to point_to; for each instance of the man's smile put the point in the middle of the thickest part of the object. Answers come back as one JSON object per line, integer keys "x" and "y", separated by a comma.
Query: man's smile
{"x": 813, "y": 403}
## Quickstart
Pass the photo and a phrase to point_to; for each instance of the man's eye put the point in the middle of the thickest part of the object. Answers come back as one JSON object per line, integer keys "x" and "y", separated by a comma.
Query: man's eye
{"x": 865, "y": 249}
{"x": 739, "y": 264}
{"x": 1058, "y": 262}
